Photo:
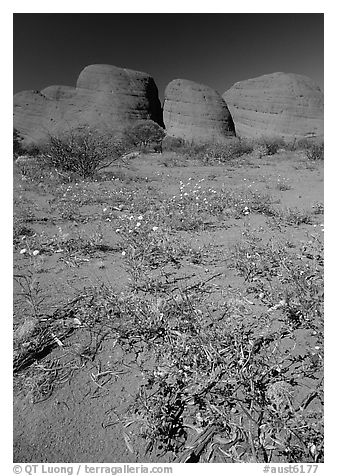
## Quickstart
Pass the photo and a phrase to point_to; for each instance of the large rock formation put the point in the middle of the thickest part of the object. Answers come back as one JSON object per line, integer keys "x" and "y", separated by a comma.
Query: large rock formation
{"x": 276, "y": 105}
{"x": 105, "y": 97}
{"x": 195, "y": 112}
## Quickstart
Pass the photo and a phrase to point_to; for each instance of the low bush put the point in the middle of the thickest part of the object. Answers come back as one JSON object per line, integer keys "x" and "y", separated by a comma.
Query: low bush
{"x": 172, "y": 144}
{"x": 232, "y": 149}
{"x": 217, "y": 152}
{"x": 82, "y": 152}
{"x": 144, "y": 134}
{"x": 315, "y": 152}
{"x": 17, "y": 144}
{"x": 312, "y": 147}
{"x": 271, "y": 144}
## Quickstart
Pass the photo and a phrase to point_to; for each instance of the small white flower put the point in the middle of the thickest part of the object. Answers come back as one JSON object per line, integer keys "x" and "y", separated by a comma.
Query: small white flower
{"x": 138, "y": 224}
{"x": 23, "y": 251}
{"x": 123, "y": 253}
{"x": 104, "y": 209}
{"x": 118, "y": 230}
{"x": 140, "y": 217}
{"x": 155, "y": 228}
{"x": 35, "y": 252}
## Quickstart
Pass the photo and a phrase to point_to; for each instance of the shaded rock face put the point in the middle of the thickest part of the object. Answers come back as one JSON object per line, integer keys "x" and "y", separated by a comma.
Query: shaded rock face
{"x": 105, "y": 98}
{"x": 276, "y": 105}
{"x": 195, "y": 112}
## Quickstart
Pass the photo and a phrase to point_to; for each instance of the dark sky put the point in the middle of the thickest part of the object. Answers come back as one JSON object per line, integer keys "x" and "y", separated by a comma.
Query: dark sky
{"x": 213, "y": 49}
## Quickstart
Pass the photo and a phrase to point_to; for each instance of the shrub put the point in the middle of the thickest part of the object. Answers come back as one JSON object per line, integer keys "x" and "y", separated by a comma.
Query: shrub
{"x": 142, "y": 134}
{"x": 218, "y": 152}
{"x": 83, "y": 151}
{"x": 194, "y": 151}
{"x": 229, "y": 150}
{"x": 315, "y": 152}
{"x": 172, "y": 144}
{"x": 271, "y": 144}
{"x": 17, "y": 144}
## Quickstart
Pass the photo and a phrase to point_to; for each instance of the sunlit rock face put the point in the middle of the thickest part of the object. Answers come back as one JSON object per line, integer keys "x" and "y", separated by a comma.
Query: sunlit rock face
{"x": 195, "y": 112}
{"x": 276, "y": 105}
{"x": 105, "y": 98}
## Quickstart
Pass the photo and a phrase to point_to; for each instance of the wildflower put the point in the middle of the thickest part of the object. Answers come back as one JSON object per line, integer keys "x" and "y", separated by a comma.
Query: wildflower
{"x": 104, "y": 209}
{"x": 123, "y": 253}
{"x": 118, "y": 230}
{"x": 23, "y": 251}
{"x": 140, "y": 217}
{"x": 138, "y": 224}
{"x": 155, "y": 228}
{"x": 35, "y": 252}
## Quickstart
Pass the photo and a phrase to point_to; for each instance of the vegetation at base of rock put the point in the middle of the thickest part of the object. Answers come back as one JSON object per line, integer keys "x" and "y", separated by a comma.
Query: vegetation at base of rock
{"x": 17, "y": 143}
{"x": 315, "y": 151}
{"x": 143, "y": 134}
{"x": 271, "y": 144}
